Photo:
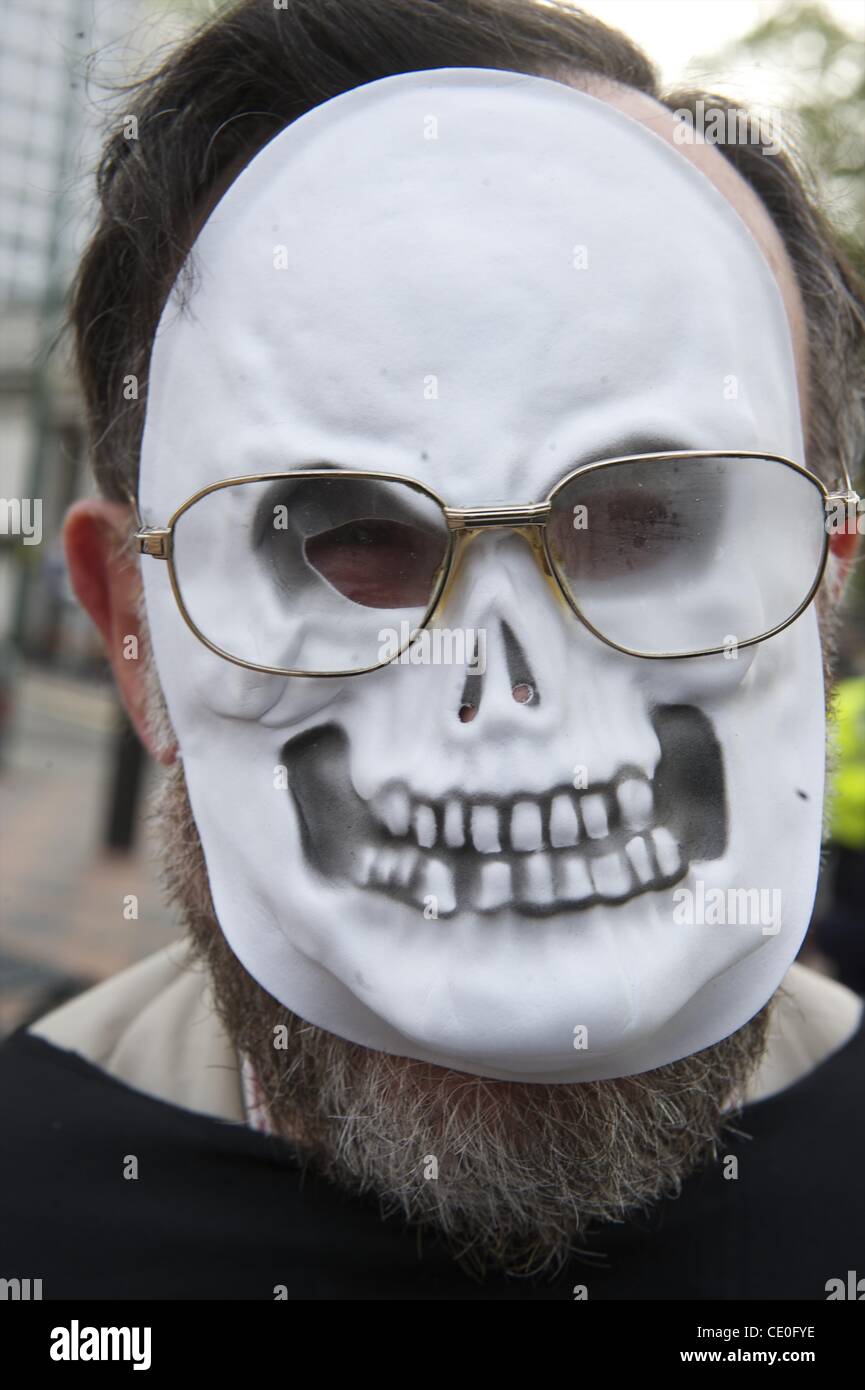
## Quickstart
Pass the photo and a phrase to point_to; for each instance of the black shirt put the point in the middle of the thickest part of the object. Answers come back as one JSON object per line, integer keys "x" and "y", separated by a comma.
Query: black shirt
{"x": 218, "y": 1211}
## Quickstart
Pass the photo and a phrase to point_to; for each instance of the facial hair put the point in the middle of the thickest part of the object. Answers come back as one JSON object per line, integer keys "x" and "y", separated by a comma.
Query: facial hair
{"x": 512, "y": 1176}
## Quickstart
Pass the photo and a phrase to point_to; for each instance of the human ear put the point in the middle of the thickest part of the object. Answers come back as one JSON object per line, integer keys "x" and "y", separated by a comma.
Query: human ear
{"x": 107, "y": 581}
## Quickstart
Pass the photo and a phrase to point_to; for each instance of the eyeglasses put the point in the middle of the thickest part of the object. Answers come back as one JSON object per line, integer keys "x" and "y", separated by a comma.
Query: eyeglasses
{"x": 336, "y": 572}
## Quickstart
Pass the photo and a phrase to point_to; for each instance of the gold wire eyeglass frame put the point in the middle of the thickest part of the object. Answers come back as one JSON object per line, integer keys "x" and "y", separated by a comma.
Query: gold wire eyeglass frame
{"x": 464, "y": 523}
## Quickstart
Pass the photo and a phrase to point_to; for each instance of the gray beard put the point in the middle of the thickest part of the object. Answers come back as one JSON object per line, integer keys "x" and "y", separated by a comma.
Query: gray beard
{"x": 512, "y": 1175}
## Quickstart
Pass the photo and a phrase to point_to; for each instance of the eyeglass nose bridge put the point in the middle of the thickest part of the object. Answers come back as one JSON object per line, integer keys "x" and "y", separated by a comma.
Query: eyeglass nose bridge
{"x": 527, "y": 521}
{"x": 516, "y": 516}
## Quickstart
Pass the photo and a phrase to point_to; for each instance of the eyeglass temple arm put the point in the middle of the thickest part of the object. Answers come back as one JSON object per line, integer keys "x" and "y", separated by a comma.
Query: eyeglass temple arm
{"x": 847, "y": 492}
{"x": 151, "y": 540}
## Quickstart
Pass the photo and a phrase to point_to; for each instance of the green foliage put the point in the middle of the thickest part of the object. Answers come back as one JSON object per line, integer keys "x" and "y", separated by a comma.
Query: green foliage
{"x": 827, "y": 63}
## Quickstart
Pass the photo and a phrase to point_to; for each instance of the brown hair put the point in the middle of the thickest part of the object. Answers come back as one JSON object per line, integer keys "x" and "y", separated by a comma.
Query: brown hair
{"x": 254, "y": 68}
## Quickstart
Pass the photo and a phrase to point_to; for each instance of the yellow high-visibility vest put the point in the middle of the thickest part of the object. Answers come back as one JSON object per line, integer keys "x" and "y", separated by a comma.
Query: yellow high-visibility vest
{"x": 847, "y": 789}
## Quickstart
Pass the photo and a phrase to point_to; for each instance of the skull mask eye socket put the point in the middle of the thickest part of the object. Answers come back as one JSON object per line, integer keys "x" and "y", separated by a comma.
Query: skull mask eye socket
{"x": 682, "y": 555}
{"x": 294, "y": 572}
{"x": 376, "y": 562}
{"x": 631, "y": 519}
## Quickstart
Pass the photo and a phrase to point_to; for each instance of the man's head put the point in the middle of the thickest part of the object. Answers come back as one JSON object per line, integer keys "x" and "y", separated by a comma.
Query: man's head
{"x": 683, "y": 329}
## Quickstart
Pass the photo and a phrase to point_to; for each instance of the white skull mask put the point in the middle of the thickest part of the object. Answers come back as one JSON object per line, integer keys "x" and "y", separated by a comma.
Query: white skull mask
{"x": 482, "y": 280}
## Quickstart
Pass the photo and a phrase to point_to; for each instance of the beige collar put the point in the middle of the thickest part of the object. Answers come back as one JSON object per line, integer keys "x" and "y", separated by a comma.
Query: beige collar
{"x": 155, "y": 1028}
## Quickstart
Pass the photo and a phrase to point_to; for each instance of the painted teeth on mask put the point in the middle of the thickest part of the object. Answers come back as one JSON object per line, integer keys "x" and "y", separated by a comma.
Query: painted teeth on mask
{"x": 437, "y": 883}
{"x": 666, "y": 852}
{"x": 424, "y": 823}
{"x": 537, "y": 880}
{"x": 526, "y": 832}
{"x": 494, "y": 886}
{"x": 394, "y": 810}
{"x": 564, "y": 822}
{"x": 610, "y": 875}
{"x": 640, "y": 860}
{"x": 485, "y": 829}
{"x": 454, "y": 824}
{"x": 573, "y": 880}
{"x": 595, "y": 817}
{"x": 636, "y": 802}
{"x": 525, "y": 826}
{"x": 537, "y": 855}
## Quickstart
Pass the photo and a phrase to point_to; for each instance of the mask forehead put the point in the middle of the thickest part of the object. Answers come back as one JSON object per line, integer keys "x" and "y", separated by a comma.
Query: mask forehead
{"x": 474, "y": 277}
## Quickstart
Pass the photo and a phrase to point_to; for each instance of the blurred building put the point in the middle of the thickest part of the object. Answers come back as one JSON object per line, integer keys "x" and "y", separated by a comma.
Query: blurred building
{"x": 52, "y": 119}
{"x": 72, "y": 849}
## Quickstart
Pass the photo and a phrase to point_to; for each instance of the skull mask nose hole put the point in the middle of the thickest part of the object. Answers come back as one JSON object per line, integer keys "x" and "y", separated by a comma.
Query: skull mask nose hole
{"x": 524, "y": 687}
